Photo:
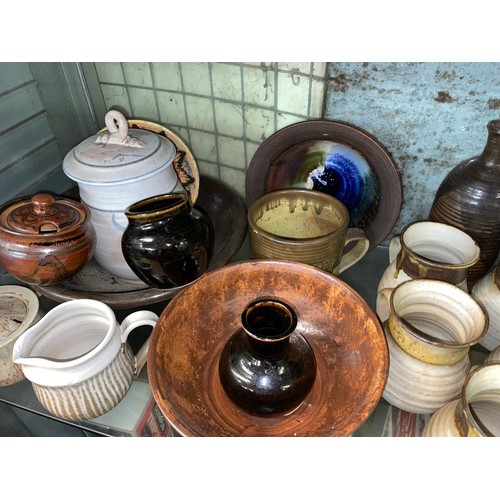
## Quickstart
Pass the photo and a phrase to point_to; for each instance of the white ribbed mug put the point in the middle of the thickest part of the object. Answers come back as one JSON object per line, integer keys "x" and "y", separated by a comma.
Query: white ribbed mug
{"x": 476, "y": 413}
{"x": 430, "y": 326}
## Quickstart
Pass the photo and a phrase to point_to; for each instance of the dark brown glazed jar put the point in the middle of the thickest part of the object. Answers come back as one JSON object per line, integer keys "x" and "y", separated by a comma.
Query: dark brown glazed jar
{"x": 45, "y": 239}
{"x": 168, "y": 243}
{"x": 469, "y": 199}
{"x": 266, "y": 367}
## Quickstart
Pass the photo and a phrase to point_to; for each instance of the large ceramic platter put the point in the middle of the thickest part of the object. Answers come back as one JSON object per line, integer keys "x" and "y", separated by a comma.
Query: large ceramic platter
{"x": 339, "y": 159}
{"x": 184, "y": 162}
{"x": 220, "y": 202}
{"x": 343, "y": 331}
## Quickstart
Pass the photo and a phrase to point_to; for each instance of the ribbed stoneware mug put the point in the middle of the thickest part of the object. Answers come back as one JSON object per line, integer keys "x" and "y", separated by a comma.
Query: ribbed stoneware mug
{"x": 305, "y": 226}
{"x": 493, "y": 356}
{"x": 78, "y": 359}
{"x": 476, "y": 413}
{"x": 487, "y": 291}
{"x": 430, "y": 250}
{"x": 430, "y": 326}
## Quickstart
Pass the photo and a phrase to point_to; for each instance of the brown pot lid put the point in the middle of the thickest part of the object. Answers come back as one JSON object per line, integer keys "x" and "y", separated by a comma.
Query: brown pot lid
{"x": 42, "y": 213}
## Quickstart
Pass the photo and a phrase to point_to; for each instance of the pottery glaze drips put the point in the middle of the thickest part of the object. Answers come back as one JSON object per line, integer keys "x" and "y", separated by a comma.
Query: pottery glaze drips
{"x": 78, "y": 359}
{"x": 430, "y": 250}
{"x": 305, "y": 226}
{"x": 45, "y": 239}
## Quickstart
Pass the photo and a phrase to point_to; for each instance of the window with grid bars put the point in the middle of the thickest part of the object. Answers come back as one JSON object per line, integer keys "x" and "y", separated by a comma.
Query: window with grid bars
{"x": 41, "y": 119}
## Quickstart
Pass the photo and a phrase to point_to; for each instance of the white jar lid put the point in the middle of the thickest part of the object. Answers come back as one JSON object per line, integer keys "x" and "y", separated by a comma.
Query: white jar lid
{"x": 119, "y": 154}
{"x": 19, "y": 308}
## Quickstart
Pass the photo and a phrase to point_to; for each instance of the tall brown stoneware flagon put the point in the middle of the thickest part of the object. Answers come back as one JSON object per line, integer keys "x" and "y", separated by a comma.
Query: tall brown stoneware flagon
{"x": 469, "y": 199}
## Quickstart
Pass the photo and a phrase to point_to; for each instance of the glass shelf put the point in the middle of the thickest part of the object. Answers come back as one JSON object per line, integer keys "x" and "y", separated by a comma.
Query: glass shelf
{"x": 137, "y": 414}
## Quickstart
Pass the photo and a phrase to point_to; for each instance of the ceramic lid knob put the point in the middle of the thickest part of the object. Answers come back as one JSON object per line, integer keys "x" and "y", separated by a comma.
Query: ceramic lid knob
{"x": 118, "y": 155}
{"x": 43, "y": 204}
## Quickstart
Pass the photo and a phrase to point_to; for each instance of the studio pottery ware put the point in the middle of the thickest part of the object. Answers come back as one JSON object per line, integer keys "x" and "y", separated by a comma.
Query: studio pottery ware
{"x": 430, "y": 250}
{"x": 430, "y": 326}
{"x": 336, "y": 158}
{"x": 45, "y": 239}
{"x": 476, "y": 413}
{"x": 306, "y": 226}
{"x": 78, "y": 359}
{"x": 468, "y": 198}
{"x": 115, "y": 169}
{"x": 345, "y": 336}
{"x": 167, "y": 243}
{"x": 266, "y": 367}
{"x": 19, "y": 309}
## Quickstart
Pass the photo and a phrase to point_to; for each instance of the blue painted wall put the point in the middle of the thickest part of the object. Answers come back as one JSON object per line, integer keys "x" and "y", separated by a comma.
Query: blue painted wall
{"x": 430, "y": 116}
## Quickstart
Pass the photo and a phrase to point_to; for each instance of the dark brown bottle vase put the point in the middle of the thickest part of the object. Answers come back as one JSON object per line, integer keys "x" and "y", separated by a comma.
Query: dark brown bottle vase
{"x": 266, "y": 367}
{"x": 167, "y": 243}
{"x": 469, "y": 199}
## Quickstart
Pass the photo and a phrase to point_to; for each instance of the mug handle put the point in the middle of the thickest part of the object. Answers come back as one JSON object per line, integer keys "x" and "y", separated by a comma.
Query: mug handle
{"x": 383, "y": 303}
{"x": 132, "y": 321}
{"x": 394, "y": 248}
{"x": 357, "y": 252}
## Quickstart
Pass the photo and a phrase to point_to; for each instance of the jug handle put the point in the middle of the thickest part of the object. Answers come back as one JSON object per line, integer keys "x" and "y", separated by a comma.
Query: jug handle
{"x": 132, "y": 321}
{"x": 383, "y": 305}
{"x": 357, "y": 252}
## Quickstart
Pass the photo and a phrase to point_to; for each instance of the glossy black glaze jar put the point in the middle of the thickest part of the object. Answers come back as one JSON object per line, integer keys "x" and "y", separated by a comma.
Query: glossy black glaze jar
{"x": 267, "y": 367}
{"x": 167, "y": 243}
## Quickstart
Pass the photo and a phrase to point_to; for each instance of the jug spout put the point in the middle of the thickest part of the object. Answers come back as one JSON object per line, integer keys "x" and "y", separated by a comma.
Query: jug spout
{"x": 35, "y": 362}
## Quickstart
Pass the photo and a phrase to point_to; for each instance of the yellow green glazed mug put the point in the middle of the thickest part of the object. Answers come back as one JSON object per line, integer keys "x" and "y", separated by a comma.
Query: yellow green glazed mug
{"x": 305, "y": 226}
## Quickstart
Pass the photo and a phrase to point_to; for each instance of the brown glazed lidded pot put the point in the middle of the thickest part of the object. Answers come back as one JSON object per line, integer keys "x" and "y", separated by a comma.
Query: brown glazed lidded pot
{"x": 45, "y": 239}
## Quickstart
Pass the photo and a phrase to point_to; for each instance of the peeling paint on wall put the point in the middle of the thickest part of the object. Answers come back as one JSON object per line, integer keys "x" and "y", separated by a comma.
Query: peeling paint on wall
{"x": 430, "y": 117}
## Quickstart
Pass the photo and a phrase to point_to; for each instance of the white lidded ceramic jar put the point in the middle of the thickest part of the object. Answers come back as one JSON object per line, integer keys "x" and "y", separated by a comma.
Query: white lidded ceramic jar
{"x": 487, "y": 291}
{"x": 19, "y": 309}
{"x": 430, "y": 326}
{"x": 115, "y": 169}
{"x": 78, "y": 359}
{"x": 430, "y": 250}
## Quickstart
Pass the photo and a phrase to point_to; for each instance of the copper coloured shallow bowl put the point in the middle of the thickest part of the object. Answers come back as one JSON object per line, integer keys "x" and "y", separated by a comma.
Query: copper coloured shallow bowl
{"x": 344, "y": 333}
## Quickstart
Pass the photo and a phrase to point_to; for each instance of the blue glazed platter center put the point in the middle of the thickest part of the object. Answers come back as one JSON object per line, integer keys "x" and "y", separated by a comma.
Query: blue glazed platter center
{"x": 335, "y": 169}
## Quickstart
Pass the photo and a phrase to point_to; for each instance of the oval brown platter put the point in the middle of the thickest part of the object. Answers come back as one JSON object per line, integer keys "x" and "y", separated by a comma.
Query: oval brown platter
{"x": 362, "y": 173}
{"x": 345, "y": 334}
{"x": 220, "y": 202}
